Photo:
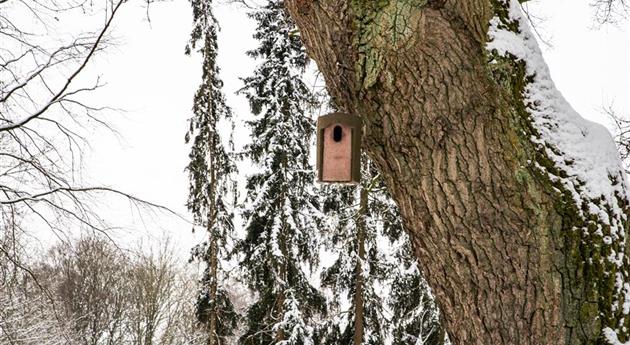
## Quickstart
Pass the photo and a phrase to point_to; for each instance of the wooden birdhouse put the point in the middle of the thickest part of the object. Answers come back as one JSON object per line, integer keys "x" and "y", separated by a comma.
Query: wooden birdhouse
{"x": 339, "y": 148}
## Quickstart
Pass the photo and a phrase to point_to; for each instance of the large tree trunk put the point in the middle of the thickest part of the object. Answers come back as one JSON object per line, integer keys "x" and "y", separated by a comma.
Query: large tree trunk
{"x": 495, "y": 237}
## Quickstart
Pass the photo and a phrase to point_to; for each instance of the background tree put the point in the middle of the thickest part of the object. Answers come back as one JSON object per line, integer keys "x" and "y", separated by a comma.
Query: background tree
{"x": 282, "y": 206}
{"x": 153, "y": 284}
{"x": 374, "y": 275}
{"x": 357, "y": 272}
{"x": 46, "y": 120}
{"x": 27, "y": 321}
{"x": 28, "y": 314}
{"x": 210, "y": 172}
{"x": 515, "y": 205}
{"x": 415, "y": 318}
{"x": 181, "y": 325}
{"x": 621, "y": 125}
{"x": 93, "y": 290}
{"x": 43, "y": 114}
{"x": 96, "y": 293}
{"x": 413, "y": 315}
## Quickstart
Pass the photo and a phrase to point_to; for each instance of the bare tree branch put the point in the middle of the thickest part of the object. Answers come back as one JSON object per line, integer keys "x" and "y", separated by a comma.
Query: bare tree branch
{"x": 60, "y": 93}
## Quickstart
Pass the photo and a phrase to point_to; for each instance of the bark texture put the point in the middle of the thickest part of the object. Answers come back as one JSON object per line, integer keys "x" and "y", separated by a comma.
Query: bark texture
{"x": 451, "y": 137}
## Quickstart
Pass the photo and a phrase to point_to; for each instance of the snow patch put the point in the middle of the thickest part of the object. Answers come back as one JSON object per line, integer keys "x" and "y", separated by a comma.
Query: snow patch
{"x": 612, "y": 338}
{"x": 583, "y": 149}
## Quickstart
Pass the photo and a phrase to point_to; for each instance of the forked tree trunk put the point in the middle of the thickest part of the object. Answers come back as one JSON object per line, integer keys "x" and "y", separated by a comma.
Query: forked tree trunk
{"x": 494, "y": 236}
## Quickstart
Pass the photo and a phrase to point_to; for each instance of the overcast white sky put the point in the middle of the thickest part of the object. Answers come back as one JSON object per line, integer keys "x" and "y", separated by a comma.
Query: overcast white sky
{"x": 148, "y": 75}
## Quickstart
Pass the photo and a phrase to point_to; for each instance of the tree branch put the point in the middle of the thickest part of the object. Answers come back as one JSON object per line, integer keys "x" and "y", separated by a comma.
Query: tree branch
{"x": 60, "y": 93}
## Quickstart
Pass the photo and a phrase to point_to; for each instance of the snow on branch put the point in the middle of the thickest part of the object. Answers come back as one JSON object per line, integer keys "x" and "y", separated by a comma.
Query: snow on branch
{"x": 585, "y": 161}
{"x": 583, "y": 149}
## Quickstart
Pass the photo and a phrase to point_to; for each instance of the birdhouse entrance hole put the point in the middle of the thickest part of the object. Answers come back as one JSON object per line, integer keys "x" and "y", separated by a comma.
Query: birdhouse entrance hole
{"x": 337, "y": 132}
{"x": 339, "y": 148}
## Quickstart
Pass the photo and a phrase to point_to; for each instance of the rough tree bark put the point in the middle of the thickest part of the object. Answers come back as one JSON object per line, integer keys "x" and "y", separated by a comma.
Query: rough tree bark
{"x": 451, "y": 135}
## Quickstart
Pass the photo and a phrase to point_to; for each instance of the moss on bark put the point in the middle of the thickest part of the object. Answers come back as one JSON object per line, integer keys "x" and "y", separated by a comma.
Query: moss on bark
{"x": 589, "y": 288}
{"x": 383, "y": 26}
{"x": 450, "y": 127}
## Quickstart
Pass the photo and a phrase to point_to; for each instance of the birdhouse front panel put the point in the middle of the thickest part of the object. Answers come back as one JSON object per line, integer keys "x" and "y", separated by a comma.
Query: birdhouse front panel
{"x": 339, "y": 148}
{"x": 337, "y": 155}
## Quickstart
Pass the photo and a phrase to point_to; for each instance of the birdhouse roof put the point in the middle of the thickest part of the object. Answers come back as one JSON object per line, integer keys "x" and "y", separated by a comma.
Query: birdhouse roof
{"x": 335, "y": 118}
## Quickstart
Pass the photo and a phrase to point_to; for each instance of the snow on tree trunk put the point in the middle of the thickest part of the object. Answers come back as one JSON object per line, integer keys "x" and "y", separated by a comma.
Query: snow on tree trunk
{"x": 516, "y": 206}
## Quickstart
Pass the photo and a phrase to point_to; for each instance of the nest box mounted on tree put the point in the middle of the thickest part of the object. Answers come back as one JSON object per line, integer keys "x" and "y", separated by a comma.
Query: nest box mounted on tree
{"x": 339, "y": 148}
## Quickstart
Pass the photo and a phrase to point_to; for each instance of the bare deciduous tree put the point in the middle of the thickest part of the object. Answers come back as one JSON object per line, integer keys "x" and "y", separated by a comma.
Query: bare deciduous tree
{"x": 621, "y": 131}
{"x": 42, "y": 112}
{"x": 100, "y": 295}
{"x": 46, "y": 118}
{"x": 28, "y": 314}
{"x": 154, "y": 297}
{"x": 610, "y": 11}
{"x": 94, "y": 289}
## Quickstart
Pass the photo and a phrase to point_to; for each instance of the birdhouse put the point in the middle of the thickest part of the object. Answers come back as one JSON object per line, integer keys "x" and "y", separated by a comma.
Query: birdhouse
{"x": 339, "y": 148}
